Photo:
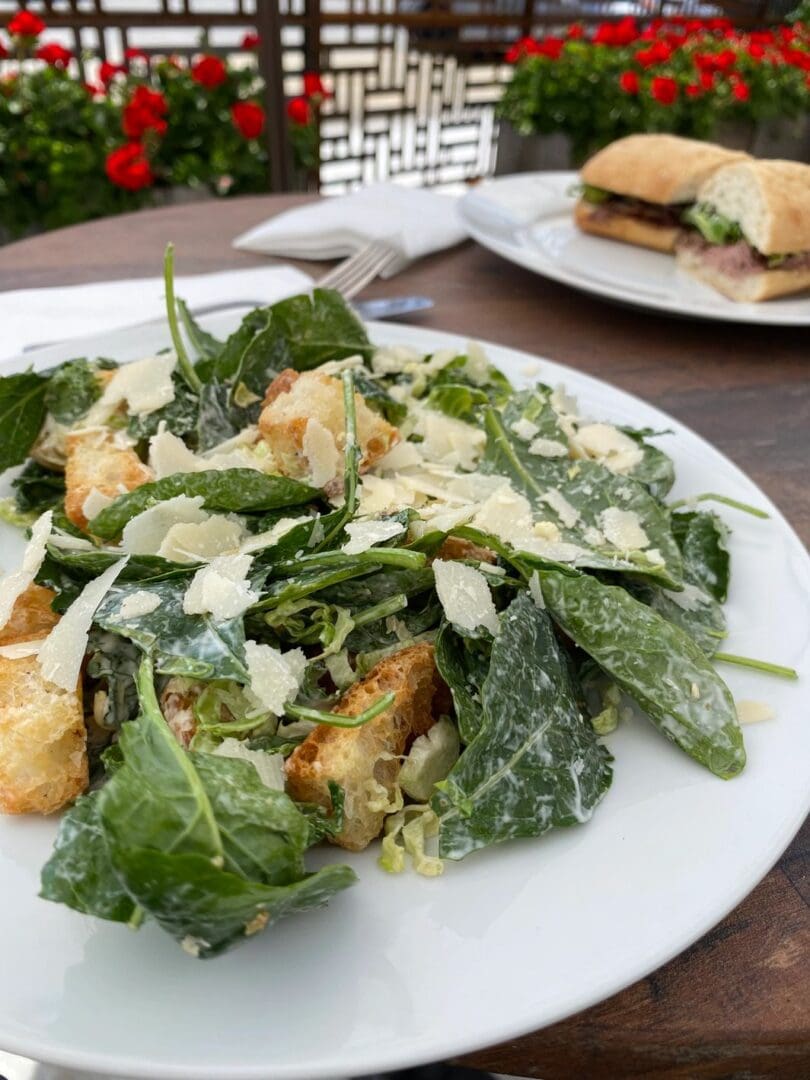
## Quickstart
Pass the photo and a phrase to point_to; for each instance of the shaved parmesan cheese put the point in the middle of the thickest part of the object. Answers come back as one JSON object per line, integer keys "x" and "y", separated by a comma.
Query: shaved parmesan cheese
{"x": 62, "y": 652}
{"x": 615, "y": 450}
{"x": 144, "y": 533}
{"x": 273, "y": 535}
{"x": 274, "y": 676}
{"x": 464, "y": 595}
{"x": 623, "y": 530}
{"x": 449, "y": 441}
{"x": 563, "y": 404}
{"x": 378, "y": 495}
{"x": 221, "y": 589}
{"x": 70, "y": 543}
{"x": 169, "y": 455}
{"x": 18, "y": 650}
{"x": 477, "y": 366}
{"x": 321, "y": 452}
{"x": 405, "y": 455}
{"x": 567, "y": 513}
{"x": 95, "y": 502}
{"x": 393, "y": 359}
{"x": 530, "y": 370}
{"x": 139, "y": 603}
{"x": 546, "y": 530}
{"x": 13, "y": 585}
{"x": 754, "y": 712}
{"x": 525, "y": 429}
{"x": 365, "y": 534}
{"x": 146, "y": 385}
{"x": 548, "y": 448}
{"x": 201, "y": 541}
{"x": 270, "y": 767}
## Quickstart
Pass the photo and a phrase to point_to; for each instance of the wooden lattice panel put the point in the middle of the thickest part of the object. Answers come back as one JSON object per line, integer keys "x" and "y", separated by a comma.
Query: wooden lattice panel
{"x": 421, "y": 117}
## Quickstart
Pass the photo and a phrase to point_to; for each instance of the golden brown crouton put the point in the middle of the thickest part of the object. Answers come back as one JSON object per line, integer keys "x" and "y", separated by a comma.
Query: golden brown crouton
{"x": 355, "y": 758}
{"x": 32, "y": 617}
{"x": 294, "y": 401}
{"x": 95, "y": 460}
{"x": 43, "y": 741}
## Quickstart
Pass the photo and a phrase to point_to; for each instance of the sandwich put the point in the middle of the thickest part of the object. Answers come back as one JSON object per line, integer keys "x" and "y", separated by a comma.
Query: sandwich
{"x": 637, "y": 188}
{"x": 749, "y": 234}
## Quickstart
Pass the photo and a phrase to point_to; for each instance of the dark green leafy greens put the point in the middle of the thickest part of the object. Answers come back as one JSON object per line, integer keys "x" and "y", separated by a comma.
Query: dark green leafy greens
{"x": 655, "y": 662}
{"x": 245, "y": 490}
{"x": 535, "y": 762}
{"x": 22, "y": 411}
{"x": 198, "y": 844}
{"x": 72, "y": 389}
{"x": 37, "y": 489}
{"x": 587, "y": 486}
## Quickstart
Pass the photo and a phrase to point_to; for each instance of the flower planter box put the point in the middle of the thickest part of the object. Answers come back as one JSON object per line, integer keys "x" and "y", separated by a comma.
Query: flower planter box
{"x": 778, "y": 138}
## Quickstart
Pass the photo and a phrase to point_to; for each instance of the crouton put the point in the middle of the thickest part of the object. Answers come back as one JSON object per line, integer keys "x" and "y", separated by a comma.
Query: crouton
{"x": 456, "y": 547}
{"x": 32, "y": 617}
{"x": 96, "y": 460}
{"x": 43, "y": 741}
{"x": 356, "y": 758}
{"x": 303, "y": 424}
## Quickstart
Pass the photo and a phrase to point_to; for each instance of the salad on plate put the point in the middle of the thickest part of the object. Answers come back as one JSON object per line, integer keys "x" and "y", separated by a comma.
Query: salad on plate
{"x": 294, "y": 588}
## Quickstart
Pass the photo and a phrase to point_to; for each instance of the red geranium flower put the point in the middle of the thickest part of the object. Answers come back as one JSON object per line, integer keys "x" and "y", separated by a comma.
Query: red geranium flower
{"x": 248, "y": 118}
{"x": 3, "y": 51}
{"x": 107, "y": 72}
{"x": 658, "y": 53}
{"x": 624, "y": 32}
{"x": 25, "y": 24}
{"x": 526, "y": 46}
{"x": 251, "y": 40}
{"x": 550, "y": 47}
{"x": 93, "y": 90}
{"x": 719, "y": 24}
{"x": 575, "y": 31}
{"x": 740, "y": 91}
{"x": 54, "y": 54}
{"x": 209, "y": 71}
{"x": 127, "y": 167}
{"x": 313, "y": 86}
{"x": 144, "y": 111}
{"x": 797, "y": 58}
{"x": 756, "y": 51}
{"x": 299, "y": 111}
{"x": 136, "y": 54}
{"x": 628, "y": 81}
{"x": 664, "y": 89}
{"x": 707, "y": 80}
{"x": 693, "y": 90}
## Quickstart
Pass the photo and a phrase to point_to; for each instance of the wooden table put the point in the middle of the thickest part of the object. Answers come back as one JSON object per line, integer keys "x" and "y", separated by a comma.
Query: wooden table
{"x": 737, "y": 1004}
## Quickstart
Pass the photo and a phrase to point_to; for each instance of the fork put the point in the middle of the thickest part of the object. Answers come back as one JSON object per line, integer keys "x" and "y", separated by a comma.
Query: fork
{"x": 353, "y": 274}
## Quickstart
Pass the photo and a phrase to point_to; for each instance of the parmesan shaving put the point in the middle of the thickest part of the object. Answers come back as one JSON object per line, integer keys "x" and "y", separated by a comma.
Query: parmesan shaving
{"x": 465, "y": 597}
{"x": 13, "y": 585}
{"x": 62, "y": 652}
{"x": 367, "y": 534}
{"x": 221, "y": 589}
{"x": 139, "y": 603}
{"x": 274, "y": 676}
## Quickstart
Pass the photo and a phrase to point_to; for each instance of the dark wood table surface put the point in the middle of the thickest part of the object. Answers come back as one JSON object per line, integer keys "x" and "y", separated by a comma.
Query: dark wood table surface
{"x": 737, "y": 1004}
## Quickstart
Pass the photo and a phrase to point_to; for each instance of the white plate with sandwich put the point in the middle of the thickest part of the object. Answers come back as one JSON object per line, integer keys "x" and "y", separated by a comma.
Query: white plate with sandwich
{"x": 662, "y": 223}
{"x": 403, "y": 969}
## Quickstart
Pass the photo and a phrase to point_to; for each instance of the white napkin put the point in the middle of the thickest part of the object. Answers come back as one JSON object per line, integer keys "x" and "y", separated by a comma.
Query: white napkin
{"x": 512, "y": 202}
{"x": 30, "y": 316}
{"x": 415, "y": 221}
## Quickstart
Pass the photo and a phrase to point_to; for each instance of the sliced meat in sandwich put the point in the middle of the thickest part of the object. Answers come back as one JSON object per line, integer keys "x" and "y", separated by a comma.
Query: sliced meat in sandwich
{"x": 750, "y": 231}
{"x": 637, "y": 188}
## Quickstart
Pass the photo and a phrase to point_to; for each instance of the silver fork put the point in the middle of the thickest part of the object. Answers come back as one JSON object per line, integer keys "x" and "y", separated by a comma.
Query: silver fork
{"x": 353, "y": 274}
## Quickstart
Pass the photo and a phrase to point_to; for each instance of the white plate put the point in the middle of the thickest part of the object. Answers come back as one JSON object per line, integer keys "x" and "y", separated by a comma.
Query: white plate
{"x": 553, "y": 246}
{"x": 401, "y": 970}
